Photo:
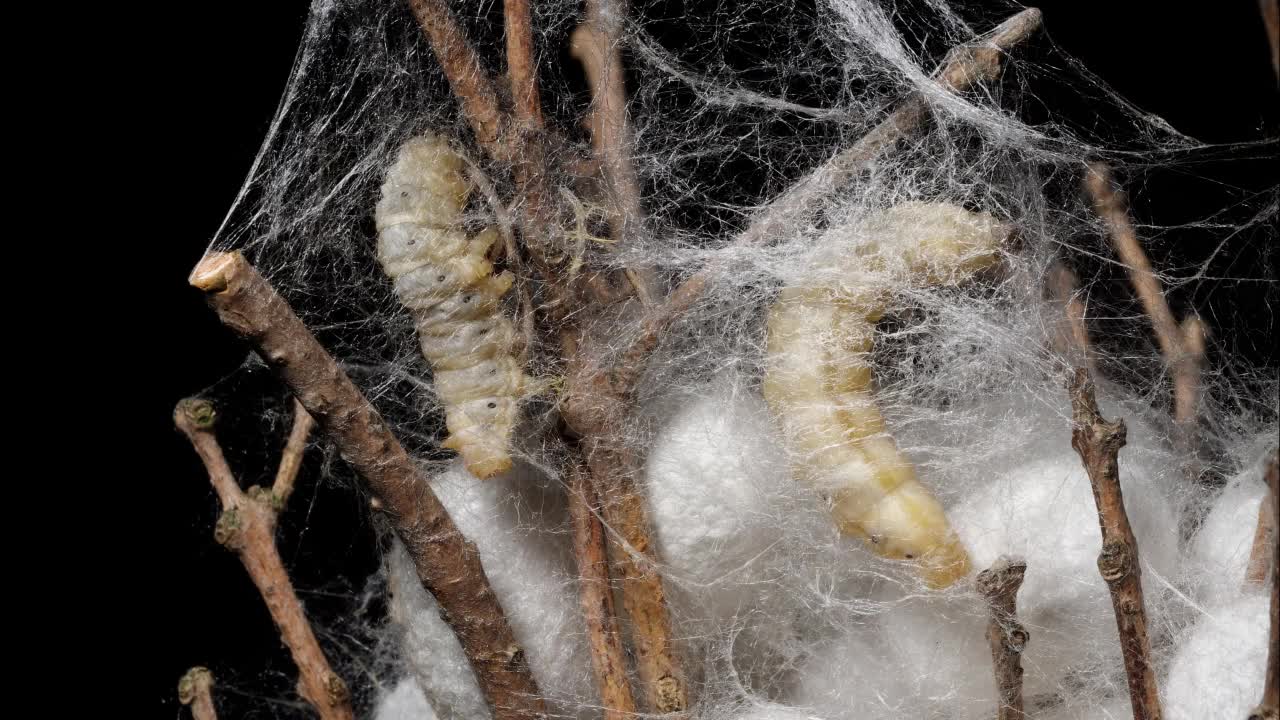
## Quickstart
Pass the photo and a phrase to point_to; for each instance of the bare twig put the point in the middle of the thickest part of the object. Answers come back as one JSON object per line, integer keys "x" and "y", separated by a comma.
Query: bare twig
{"x": 195, "y": 690}
{"x": 522, "y": 67}
{"x": 964, "y": 67}
{"x": 471, "y": 83}
{"x": 595, "y": 407}
{"x": 1098, "y": 443}
{"x": 645, "y": 600}
{"x": 999, "y": 585}
{"x": 447, "y": 563}
{"x": 596, "y": 43}
{"x": 1271, "y": 22}
{"x": 1182, "y": 346}
{"x": 521, "y": 143}
{"x": 608, "y": 659}
{"x": 1269, "y": 707}
{"x": 291, "y": 459}
{"x": 247, "y": 526}
{"x": 1263, "y": 551}
{"x": 1074, "y": 342}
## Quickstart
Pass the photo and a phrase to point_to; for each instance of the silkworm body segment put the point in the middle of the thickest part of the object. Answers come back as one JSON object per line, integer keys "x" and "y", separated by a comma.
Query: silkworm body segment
{"x": 449, "y": 287}
{"x": 819, "y": 383}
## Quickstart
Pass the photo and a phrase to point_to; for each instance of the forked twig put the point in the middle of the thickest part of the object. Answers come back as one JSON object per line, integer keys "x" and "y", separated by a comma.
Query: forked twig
{"x": 1182, "y": 345}
{"x": 596, "y": 411}
{"x": 1098, "y": 443}
{"x": 999, "y": 585}
{"x": 608, "y": 659}
{"x": 1263, "y": 551}
{"x": 1269, "y": 707}
{"x": 447, "y": 563}
{"x": 195, "y": 690}
{"x": 247, "y": 525}
{"x": 471, "y": 83}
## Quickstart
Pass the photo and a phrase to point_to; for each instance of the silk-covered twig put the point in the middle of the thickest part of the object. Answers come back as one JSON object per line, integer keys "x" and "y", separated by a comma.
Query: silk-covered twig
{"x": 247, "y": 526}
{"x": 623, "y": 508}
{"x": 1269, "y": 707}
{"x": 447, "y": 563}
{"x": 1271, "y": 24}
{"x": 596, "y": 43}
{"x": 1098, "y": 443}
{"x": 1072, "y": 337}
{"x": 964, "y": 67}
{"x": 195, "y": 690}
{"x": 999, "y": 585}
{"x": 522, "y": 66}
{"x": 1181, "y": 344}
{"x": 608, "y": 659}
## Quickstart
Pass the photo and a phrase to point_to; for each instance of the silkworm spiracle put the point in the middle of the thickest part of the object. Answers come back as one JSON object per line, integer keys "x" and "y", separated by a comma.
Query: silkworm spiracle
{"x": 818, "y": 376}
{"x": 442, "y": 277}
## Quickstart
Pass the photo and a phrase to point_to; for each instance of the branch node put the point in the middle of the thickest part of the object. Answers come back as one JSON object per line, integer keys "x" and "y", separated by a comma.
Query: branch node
{"x": 1007, "y": 637}
{"x": 1098, "y": 443}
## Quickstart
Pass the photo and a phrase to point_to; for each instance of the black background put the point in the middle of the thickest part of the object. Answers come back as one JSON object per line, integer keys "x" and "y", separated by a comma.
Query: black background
{"x": 1206, "y": 71}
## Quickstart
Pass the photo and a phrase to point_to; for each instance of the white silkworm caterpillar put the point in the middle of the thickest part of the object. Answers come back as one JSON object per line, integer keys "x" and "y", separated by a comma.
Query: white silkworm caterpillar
{"x": 449, "y": 287}
{"x": 818, "y": 377}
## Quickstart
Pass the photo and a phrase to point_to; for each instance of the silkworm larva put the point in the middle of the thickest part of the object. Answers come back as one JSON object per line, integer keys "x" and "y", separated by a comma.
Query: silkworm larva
{"x": 451, "y": 291}
{"x": 818, "y": 378}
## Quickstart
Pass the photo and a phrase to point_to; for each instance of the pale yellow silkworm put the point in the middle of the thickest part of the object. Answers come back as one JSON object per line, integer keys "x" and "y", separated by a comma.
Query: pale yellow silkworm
{"x": 818, "y": 377}
{"x": 450, "y": 289}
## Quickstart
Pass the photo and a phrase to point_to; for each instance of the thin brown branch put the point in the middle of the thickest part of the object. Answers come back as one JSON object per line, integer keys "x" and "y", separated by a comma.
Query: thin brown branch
{"x": 247, "y": 526}
{"x": 1073, "y": 339}
{"x": 291, "y": 458}
{"x": 1181, "y": 345}
{"x": 1271, "y": 22}
{"x": 999, "y": 585}
{"x": 447, "y": 563}
{"x": 1098, "y": 443}
{"x": 1269, "y": 707}
{"x": 595, "y": 409}
{"x": 965, "y": 66}
{"x": 195, "y": 690}
{"x": 1187, "y": 382}
{"x": 522, "y": 66}
{"x": 596, "y": 43}
{"x": 471, "y": 83}
{"x": 1263, "y": 551}
{"x": 608, "y": 659}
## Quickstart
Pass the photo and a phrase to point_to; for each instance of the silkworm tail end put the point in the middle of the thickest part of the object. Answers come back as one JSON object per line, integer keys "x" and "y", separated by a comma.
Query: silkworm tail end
{"x": 945, "y": 565}
{"x": 482, "y": 462}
